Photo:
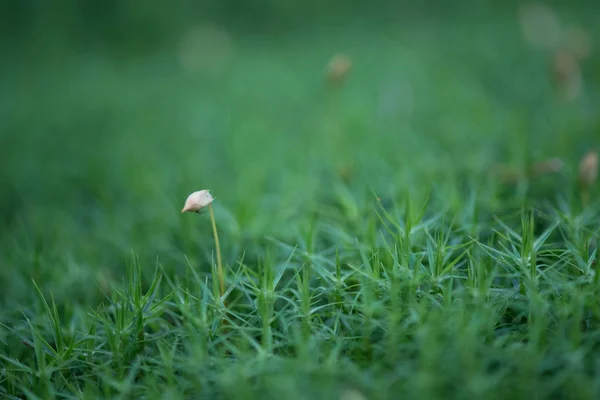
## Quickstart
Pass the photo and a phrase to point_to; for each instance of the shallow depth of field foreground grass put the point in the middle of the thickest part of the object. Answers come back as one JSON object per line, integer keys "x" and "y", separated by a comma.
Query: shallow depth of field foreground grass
{"x": 371, "y": 249}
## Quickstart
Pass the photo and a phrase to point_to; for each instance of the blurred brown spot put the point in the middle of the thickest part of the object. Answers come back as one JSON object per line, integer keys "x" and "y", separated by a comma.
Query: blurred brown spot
{"x": 541, "y": 168}
{"x": 506, "y": 174}
{"x": 565, "y": 64}
{"x": 540, "y": 25}
{"x": 338, "y": 68}
{"x": 588, "y": 168}
{"x": 345, "y": 172}
{"x": 550, "y": 166}
{"x": 567, "y": 74}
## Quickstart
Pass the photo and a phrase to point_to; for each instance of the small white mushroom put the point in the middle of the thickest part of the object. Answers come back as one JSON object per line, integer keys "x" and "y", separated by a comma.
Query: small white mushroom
{"x": 197, "y": 201}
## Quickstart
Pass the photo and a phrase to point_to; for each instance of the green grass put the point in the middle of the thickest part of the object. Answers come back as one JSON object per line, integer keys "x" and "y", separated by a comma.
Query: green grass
{"x": 367, "y": 247}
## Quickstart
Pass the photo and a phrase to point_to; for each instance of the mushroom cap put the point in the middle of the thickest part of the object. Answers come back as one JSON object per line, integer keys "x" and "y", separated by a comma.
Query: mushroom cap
{"x": 197, "y": 200}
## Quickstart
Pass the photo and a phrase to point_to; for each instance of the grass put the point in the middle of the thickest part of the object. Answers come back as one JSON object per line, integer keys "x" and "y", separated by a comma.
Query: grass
{"x": 369, "y": 252}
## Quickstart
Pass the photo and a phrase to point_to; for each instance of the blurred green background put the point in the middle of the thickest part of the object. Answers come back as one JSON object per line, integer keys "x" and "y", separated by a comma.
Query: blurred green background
{"x": 112, "y": 112}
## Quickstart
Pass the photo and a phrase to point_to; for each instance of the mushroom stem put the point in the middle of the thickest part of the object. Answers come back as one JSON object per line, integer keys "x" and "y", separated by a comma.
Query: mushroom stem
{"x": 218, "y": 250}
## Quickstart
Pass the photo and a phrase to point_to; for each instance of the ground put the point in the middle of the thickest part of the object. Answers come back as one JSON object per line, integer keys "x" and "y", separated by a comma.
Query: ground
{"x": 370, "y": 245}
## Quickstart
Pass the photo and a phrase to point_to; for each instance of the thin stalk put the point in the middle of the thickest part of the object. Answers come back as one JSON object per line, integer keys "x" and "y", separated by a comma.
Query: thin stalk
{"x": 218, "y": 249}
{"x": 585, "y": 196}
